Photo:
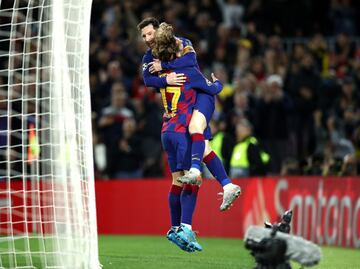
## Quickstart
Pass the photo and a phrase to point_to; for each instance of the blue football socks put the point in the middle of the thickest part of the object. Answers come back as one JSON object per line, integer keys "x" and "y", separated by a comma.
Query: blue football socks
{"x": 175, "y": 204}
{"x": 188, "y": 202}
{"x": 216, "y": 168}
{"x": 197, "y": 150}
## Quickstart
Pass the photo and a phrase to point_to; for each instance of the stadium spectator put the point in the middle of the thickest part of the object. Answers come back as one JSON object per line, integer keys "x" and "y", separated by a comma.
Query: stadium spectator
{"x": 302, "y": 84}
{"x": 100, "y": 159}
{"x": 318, "y": 47}
{"x": 149, "y": 118}
{"x": 343, "y": 16}
{"x": 272, "y": 109}
{"x": 232, "y": 12}
{"x": 344, "y": 51}
{"x": 329, "y": 91}
{"x": 111, "y": 120}
{"x": 248, "y": 158}
{"x": 340, "y": 145}
{"x": 349, "y": 100}
{"x": 349, "y": 167}
{"x": 240, "y": 108}
{"x": 321, "y": 133}
{"x": 127, "y": 159}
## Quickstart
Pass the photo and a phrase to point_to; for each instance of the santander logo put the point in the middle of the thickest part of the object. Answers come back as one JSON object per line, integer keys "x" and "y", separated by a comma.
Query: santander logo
{"x": 330, "y": 215}
{"x": 325, "y": 210}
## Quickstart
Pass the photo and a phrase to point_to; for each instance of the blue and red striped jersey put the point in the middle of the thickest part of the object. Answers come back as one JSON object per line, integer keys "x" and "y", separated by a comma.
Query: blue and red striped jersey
{"x": 179, "y": 101}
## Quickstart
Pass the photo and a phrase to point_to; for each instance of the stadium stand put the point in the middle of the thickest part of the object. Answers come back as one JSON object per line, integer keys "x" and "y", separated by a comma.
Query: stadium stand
{"x": 297, "y": 81}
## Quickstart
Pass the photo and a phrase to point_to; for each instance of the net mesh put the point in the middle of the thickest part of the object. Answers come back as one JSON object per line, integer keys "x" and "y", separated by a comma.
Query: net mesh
{"x": 47, "y": 200}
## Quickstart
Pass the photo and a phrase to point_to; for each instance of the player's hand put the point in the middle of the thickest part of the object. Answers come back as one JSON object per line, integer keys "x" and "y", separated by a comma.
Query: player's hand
{"x": 175, "y": 79}
{"x": 155, "y": 66}
{"x": 213, "y": 77}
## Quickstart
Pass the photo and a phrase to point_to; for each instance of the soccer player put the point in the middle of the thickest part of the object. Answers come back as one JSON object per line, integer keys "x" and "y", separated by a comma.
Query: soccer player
{"x": 204, "y": 108}
{"x": 148, "y": 27}
{"x": 178, "y": 193}
{"x": 179, "y": 103}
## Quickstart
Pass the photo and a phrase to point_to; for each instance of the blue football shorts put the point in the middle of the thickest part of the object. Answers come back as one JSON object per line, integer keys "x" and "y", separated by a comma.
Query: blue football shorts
{"x": 178, "y": 149}
{"x": 205, "y": 103}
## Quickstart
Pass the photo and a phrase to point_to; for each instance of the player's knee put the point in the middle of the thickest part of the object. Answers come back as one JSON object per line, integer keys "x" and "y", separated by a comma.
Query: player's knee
{"x": 207, "y": 150}
{"x": 175, "y": 176}
{"x": 175, "y": 182}
{"x": 195, "y": 128}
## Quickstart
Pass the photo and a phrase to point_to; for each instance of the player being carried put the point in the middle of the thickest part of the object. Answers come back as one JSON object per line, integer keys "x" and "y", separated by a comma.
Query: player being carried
{"x": 205, "y": 105}
{"x": 179, "y": 103}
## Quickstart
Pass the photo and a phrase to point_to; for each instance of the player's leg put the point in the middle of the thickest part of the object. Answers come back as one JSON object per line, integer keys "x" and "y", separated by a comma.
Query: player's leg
{"x": 169, "y": 145}
{"x": 196, "y": 129}
{"x": 174, "y": 196}
{"x": 175, "y": 204}
{"x": 188, "y": 196}
{"x": 202, "y": 114}
{"x": 174, "y": 199}
{"x": 182, "y": 235}
{"x": 188, "y": 204}
{"x": 216, "y": 168}
{"x": 200, "y": 132}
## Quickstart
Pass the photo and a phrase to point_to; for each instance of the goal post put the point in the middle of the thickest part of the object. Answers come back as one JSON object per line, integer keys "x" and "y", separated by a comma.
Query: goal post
{"x": 47, "y": 196}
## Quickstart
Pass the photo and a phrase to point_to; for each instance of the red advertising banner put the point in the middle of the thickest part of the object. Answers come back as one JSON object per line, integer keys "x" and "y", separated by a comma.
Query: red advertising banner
{"x": 29, "y": 206}
{"x": 326, "y": 210}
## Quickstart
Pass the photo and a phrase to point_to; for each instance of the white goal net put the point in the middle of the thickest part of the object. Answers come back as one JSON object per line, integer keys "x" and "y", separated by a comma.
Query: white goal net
{"x": 47, "y": 198}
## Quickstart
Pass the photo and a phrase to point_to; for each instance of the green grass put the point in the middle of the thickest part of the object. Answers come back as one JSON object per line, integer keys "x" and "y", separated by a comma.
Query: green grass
{"x": 27, "y": 252}
{"x": 152, "y": 252}
{"x": 155, "y": 252}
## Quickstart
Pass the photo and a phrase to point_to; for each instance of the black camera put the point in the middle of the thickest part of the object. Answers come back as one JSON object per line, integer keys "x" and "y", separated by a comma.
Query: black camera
{"x": 273, "y": 247}
{"x": 270, "y": 252}
{"x": 284, "y": 224}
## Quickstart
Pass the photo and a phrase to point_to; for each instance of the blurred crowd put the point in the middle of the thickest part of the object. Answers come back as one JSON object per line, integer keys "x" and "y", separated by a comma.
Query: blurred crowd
{"x": 290, "y": 68}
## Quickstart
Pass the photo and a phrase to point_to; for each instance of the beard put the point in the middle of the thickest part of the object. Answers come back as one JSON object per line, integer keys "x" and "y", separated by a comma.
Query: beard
{"x": 150, "y": 44}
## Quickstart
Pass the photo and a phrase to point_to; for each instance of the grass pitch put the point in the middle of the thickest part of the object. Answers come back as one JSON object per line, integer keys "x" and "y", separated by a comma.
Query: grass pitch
{"x": 155, "y": 252}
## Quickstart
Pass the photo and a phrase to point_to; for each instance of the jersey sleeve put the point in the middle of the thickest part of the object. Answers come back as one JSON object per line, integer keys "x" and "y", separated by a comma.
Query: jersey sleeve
{"x": 151, "y": 80}
{"x": 199, "y": 82}
{"x": 188, "y": 58}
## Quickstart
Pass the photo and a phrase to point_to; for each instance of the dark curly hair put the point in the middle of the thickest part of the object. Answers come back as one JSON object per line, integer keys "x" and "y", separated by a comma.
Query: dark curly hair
{"x": 148, "y": 21}
{"x": 165, "y": 47}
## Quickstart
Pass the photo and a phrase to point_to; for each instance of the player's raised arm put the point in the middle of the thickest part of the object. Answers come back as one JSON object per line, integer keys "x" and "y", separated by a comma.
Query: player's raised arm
{"x": 199, "y": 82}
